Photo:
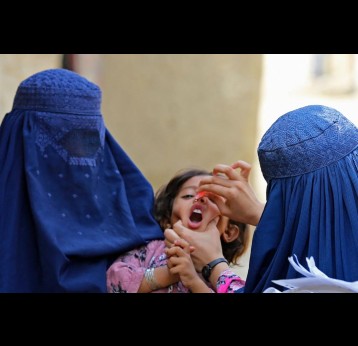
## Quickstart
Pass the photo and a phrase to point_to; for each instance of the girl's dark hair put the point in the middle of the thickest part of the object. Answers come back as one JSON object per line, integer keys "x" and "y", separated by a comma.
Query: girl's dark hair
{"x": 163, "y": 206}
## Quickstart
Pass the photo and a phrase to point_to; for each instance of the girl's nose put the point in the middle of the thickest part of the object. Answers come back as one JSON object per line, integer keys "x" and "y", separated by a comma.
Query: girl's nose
{"x": 202, "y": 199}
{"x": 200, "y": 195}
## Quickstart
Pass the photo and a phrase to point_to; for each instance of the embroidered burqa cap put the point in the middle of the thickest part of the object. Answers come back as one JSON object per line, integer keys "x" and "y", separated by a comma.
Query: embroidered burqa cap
{"x": 309, "y": 158}
{"x": 59, "y": 91}
{"x": 71, "y": 199}
{"x": 304, "y": 140}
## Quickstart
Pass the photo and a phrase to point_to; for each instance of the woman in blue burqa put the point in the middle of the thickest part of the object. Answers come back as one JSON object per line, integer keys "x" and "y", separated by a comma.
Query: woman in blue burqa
{"x": 71, "y": 199}
{"x": 309, "y": 159}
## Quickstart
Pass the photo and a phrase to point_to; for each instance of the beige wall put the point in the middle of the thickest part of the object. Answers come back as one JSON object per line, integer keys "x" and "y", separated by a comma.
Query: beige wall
{"x": 14, "y": 68}
{"x": 173, "y": 111}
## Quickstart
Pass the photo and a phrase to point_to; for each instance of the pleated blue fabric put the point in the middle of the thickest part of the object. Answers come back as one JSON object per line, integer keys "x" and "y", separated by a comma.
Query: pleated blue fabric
{"x": 309, "y": 158}
{"x": 71, "y": 199}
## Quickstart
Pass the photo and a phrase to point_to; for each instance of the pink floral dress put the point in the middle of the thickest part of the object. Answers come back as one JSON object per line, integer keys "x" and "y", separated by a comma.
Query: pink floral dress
{"x": 127, "y": 271}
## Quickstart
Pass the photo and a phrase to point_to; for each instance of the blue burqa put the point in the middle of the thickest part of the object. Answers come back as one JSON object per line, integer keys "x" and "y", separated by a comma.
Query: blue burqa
{"x": 71, "y": 200}
{"x": 309, "y": 158}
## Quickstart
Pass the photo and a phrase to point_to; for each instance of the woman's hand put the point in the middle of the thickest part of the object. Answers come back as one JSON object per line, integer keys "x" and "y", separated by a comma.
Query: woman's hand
{"x": 204, "y": 246}
{"x": 240, "y": 202}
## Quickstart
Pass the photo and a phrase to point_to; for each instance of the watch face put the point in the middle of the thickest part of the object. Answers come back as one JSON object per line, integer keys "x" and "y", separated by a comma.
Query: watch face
{"x": 206, "y": 272}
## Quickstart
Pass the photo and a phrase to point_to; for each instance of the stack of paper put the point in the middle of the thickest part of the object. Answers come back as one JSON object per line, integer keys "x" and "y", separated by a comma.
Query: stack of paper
{"x": 314, "y": 281}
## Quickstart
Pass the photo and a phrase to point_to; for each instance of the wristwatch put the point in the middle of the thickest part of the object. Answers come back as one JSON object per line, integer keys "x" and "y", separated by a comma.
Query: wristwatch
{"x": 206, "y": 271}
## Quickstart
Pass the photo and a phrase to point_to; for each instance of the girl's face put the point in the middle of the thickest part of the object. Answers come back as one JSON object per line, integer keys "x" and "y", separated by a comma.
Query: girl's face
{"x": 195, "y": 214}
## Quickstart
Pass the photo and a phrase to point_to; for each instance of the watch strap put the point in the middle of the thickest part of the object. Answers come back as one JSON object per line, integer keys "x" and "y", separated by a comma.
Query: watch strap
{"x": 206, "y": 271}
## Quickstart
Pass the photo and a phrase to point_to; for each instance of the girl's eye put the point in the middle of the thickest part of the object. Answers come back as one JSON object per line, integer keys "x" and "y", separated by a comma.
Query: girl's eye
{"x": 188, "y": 196}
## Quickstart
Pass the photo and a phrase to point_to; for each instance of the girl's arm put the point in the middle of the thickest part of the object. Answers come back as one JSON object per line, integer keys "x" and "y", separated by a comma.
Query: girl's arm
{"x": 128, "y": 274}
{"x": 156, "y": 278}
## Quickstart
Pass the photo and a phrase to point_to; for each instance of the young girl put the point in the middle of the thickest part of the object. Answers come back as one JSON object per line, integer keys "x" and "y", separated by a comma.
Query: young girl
{"x": 145, "y": 269}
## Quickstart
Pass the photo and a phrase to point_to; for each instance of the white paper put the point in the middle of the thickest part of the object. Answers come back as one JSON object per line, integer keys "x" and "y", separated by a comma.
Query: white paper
{"x": 314, "y": 281}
